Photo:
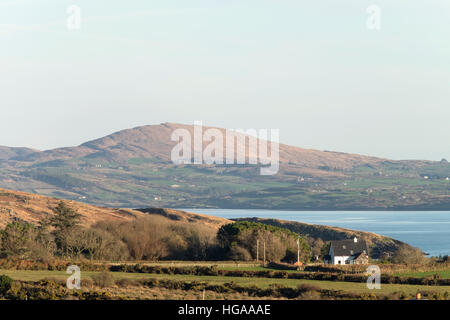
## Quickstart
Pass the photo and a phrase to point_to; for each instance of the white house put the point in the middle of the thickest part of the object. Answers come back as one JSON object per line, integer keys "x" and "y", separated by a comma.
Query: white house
{"x": 349, "y": 251}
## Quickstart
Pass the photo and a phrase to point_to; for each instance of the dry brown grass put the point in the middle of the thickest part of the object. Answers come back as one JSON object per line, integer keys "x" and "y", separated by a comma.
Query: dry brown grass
{"x": 144, "y": 293}
{"x": 32, "y": 208}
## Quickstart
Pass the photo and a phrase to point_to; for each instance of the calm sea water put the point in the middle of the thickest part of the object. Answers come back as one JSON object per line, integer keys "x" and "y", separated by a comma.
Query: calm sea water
{"x": 427, "y": 230}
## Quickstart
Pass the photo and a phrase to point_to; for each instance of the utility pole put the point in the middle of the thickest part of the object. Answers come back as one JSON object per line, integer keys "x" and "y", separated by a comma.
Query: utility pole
{"x": 298, "y": 254}
{"x": 264, "y": 253}
{"x": 257, "y": 250}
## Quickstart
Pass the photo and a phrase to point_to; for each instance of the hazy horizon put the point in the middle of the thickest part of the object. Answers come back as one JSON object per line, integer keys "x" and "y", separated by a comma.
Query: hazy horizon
{"x": 313, "y": 70}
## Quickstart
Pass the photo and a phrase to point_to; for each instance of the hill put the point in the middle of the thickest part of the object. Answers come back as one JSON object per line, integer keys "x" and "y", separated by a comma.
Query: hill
{"x": 153, "y": 141}
{"x": 379, "y": 246}
{"x": 31, "y": 208}
{"x": 7, "y": 153}
{"x": 316, "y": 235}
{"x": 187, "y": 217}
{"x": 132, "y": 168}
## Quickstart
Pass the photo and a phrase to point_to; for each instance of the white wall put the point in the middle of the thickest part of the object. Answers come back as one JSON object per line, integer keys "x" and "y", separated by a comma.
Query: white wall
{"x": 342, "y": 259}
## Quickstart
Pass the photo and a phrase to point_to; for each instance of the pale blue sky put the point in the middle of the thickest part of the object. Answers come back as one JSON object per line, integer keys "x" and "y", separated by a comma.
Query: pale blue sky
{"x": 309, "y": 68}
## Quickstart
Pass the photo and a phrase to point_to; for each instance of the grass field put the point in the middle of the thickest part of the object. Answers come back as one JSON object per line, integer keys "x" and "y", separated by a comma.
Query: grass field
{"x": 221, "y": 264}
{"x": 27, "y": 275}
{"x": 443, "y": 274}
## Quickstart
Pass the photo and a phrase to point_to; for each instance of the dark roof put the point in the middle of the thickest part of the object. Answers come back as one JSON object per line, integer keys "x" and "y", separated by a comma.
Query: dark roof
{"x": 349, "y": 247}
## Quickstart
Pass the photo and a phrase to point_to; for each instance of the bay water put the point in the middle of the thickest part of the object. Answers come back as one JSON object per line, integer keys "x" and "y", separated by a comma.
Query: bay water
{"x": 427, "y": 230}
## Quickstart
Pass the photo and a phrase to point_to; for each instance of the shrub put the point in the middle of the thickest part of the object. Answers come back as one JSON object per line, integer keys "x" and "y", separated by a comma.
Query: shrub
{"x": 307, "y": 287}
{"x": 87, "y": 283}
{"x": 103, "y": 279}
{"x": 125, "y": 283}
{"x": 55, "y": 280}
{"x": 5, "y": 283}
{"x": 240, "y": 254}
{"x": 310, "y": 295}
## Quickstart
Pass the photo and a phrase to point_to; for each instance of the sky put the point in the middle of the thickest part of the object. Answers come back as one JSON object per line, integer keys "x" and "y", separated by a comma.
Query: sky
{"x": 312, "y": 69}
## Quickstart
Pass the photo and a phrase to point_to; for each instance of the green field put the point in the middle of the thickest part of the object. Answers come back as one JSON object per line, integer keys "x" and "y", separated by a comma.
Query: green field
{"x": 27, "y": 275}
{"x": 150, "y": 182}
{"x": 442, "y": 274}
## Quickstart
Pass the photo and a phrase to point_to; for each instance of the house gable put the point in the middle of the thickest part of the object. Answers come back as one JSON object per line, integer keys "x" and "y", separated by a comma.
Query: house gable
{"x": 348, "y": 252}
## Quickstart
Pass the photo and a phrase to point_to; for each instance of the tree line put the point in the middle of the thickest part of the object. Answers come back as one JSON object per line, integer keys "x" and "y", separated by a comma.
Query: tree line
{"x": 245, "y": 241}
{"x": 150, "y": 238}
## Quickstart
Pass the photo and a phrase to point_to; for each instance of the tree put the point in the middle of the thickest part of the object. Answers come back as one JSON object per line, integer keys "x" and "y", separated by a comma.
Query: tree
{"x": 24, "y": 240}
{"x": 16, "y": 238}
{"x": 409, "y": 255}
{"x": 280, "y": 243}
{"x": 325, "y": 249}
{"x": 99, "y": 244}
{"x": 65, "y": 221}
{"x": 316, "y": 248}
{"x": 5, "y": 283}
{"x": 240, "y": 254}
{"x": 44, "y": 236}
{"x": 74, "y": 243}
{"x": 146, "y": 239}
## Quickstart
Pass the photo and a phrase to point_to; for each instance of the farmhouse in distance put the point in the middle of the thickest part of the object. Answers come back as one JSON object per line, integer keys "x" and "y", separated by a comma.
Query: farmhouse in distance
{"x": 350, "y": 251}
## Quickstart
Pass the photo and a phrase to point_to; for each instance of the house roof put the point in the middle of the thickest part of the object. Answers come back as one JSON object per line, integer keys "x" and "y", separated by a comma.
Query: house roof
{"x": 349, "y": 247}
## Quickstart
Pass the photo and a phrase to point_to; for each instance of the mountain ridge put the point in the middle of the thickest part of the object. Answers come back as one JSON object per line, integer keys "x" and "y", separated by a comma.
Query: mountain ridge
{"x": 132, "y": 168}
{"x": 7, "y": 153}
{"x": 135, "y": 137}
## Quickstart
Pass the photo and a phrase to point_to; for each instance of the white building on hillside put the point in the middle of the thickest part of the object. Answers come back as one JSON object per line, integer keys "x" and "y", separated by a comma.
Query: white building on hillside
{"x": 347, "y": 252}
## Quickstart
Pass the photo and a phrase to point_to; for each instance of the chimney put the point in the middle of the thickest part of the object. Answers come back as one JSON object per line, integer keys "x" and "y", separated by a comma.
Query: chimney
{"x": 355, "y": 240}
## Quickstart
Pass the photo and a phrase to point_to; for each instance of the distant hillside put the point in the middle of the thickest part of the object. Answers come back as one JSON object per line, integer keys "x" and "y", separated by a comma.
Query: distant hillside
{"x": 132, "y": 168}
{"x": 7, "y": 153}
{"x": 189, "y": 217}
{"x": 25, "y": 207}
{"x": 379, "y": 245}
{"x": 154, "y": 141}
